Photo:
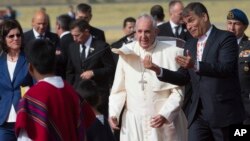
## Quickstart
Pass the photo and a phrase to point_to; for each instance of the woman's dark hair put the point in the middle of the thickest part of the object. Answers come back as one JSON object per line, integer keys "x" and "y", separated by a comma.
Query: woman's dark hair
{"x": 5, "y": 28}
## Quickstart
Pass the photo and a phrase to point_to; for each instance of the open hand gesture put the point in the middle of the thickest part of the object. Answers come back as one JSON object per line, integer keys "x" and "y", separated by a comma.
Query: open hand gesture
{"x": 148, "y": 64}
{"x": 185, "y": 61}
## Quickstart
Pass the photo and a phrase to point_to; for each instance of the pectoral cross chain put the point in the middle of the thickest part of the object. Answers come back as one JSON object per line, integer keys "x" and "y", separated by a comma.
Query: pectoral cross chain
{"x": 142, "y": 82}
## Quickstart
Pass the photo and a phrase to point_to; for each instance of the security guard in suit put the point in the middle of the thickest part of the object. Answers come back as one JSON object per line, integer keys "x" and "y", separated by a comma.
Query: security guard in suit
{"x": 237, "y": 22}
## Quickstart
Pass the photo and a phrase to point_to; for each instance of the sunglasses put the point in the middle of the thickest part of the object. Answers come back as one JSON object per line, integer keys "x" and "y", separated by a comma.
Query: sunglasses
{"x": 13, "y": 35}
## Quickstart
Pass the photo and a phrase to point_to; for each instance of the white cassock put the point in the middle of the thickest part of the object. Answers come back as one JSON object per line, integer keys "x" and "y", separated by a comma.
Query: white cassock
{"x": 144, "y": 100}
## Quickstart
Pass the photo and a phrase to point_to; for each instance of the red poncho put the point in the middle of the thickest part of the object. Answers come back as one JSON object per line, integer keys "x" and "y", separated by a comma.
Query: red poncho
{"x": 48, "y": 113}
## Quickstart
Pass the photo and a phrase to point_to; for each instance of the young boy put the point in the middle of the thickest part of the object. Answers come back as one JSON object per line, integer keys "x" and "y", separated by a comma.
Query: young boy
{"x": 50, "y": 109}
{"x": 100, "y": 129}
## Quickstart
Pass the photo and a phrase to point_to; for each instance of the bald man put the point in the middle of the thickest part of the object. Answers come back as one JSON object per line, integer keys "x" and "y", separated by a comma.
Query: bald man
{"x": 174, "y": 27}
{"x": 38, "y": 31}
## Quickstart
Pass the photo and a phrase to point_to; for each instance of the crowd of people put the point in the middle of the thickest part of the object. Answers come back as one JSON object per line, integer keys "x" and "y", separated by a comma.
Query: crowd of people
{"x": 72, "y": 85}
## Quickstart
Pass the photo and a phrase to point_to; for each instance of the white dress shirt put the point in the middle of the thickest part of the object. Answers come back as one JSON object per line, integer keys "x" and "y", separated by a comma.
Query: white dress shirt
{"x": 87, "y": 45}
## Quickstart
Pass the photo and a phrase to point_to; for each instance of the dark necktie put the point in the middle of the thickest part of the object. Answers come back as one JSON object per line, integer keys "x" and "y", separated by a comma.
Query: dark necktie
{"x": 83, "y": 52}
{"x": 82, "y": 56}
{"x": 176, "y": 33}
{"x": 40, "y": 36}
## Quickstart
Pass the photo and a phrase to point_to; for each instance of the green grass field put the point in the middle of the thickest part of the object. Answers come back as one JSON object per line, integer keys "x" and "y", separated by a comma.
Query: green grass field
{"x": 109, "y": 17}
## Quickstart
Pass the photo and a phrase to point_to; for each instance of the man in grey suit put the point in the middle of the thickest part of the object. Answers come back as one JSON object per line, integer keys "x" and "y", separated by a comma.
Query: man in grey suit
{"x": 210, "y": 63}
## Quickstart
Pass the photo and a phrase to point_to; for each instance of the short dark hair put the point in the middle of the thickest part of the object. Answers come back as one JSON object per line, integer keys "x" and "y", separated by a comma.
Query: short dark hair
{"x": 87, "y": 90}
{"x": 128, "y": 19}
{"x": 5, "y": 28}
{"x": 41, "y": 54}
{"x": 81, "y": 24}
{"x": 83, "y": 7}
{"x": 157, "y": 12}
{"x": 64, "y": 21}
{"x": 198, "y": 8}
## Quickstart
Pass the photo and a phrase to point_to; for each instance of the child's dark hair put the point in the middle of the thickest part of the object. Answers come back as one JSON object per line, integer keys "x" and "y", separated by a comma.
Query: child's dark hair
{"x": 41, "y": 54}
{"x": 87, "y": 89}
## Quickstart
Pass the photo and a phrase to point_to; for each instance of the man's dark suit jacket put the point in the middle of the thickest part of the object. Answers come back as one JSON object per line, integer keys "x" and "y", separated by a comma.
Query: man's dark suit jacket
{"x": 52, "y": 37}
{"x": 97, "y": 33}
{"x": 216, "y": 84}
{"x": 100, "y": 60}
{"x": 118, "y": 44}
{"x": 166, "y": 30}
{"x": 65, "y": 42}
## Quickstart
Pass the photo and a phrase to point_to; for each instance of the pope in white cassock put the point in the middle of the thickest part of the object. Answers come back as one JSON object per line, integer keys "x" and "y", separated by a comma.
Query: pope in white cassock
{"x": 152, "y": 108}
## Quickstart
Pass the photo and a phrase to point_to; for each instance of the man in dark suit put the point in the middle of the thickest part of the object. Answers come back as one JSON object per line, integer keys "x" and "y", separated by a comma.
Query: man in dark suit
{"x": 128, "y": 30}
{"x": 237, "y": 22}
{"x": 210, "y": 62}
{"x": 90, "y": 58}
{"x": 39, "y": 31}
{"x": 84, "y": 11}
{"x": 174, "y": 27}
{"x": 62, "y": 30}
{"x": 39, "y": 24}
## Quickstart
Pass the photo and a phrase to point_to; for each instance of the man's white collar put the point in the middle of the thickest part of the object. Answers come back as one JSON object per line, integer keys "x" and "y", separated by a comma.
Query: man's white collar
{"x": 64, "y": 33}
{"x": 37, "y": 34}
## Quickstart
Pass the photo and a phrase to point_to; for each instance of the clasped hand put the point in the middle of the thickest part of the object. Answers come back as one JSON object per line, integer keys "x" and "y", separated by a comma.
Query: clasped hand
{"x": 157, "y": 121}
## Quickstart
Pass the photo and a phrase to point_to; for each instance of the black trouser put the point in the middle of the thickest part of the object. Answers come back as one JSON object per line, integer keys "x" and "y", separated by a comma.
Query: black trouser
{"x": 201, "y": 131}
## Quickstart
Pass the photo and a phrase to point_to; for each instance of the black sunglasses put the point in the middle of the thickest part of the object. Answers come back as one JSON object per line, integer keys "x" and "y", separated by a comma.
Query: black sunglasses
{"x": 13, "y": 35}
